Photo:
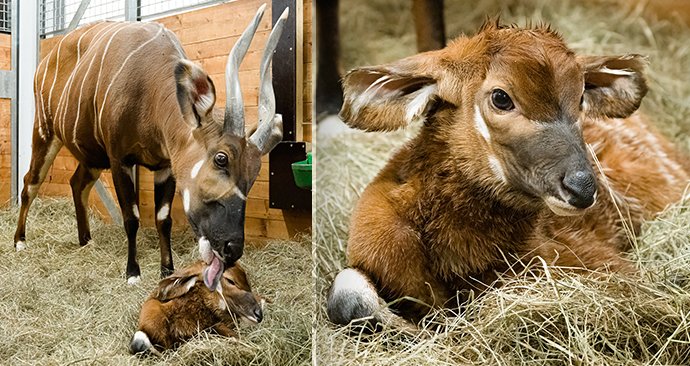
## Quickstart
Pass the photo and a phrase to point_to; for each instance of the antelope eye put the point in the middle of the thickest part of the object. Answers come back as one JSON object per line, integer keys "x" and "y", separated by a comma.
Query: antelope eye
{"x": 501, "y": 100}
{"x": 221, "y": 160}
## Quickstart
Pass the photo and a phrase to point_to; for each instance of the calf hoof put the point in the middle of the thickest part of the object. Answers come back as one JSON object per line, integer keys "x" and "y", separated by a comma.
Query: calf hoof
{"x": 20, "y": 245}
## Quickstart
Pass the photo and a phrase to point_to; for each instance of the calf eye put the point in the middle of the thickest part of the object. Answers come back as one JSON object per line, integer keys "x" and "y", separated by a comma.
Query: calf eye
{"x": 221, "y": 160}
{"x": 231, "y": 282}
{"x": 501, "y": 100}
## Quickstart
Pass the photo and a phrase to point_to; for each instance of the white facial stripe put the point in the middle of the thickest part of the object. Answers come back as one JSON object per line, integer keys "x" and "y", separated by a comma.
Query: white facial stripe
{"x": 163, "y": 212}
{"x": 135, "y": 211}
{"x": 239, "y": 194}
{"x": 480, "y": 124}
{"x": 197, "y": 167}
{"x": 185, "y": 200}
{"x": 419, "y": 103}
{"x": 205, "y": 251}
{"x": 496, "y": 168}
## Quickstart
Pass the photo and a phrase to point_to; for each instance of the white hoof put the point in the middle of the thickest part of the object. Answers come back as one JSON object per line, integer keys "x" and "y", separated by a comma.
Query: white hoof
{"x": 133, "y": 280}
{"x": 20, "y": 245}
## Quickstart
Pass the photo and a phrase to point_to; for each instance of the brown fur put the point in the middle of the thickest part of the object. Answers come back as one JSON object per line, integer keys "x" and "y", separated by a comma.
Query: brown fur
{"x": 175, "y": 313}
{"x": 119, "y": 94}
{"x": 438, "y": 219}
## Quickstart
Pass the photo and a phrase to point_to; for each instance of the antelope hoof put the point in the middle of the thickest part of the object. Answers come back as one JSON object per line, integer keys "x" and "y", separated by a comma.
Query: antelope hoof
{"x": 20, "y": 245}
{"x": 165, "y": 271}
{"x": 133, "y": 280}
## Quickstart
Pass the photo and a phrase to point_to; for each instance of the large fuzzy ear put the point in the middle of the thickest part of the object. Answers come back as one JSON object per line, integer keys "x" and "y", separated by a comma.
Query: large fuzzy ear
{"x": 179, "y": 283}
{"x": 388, "y": 97}
{"x": 614, "y": 85}
{"x": 196, "y": 93}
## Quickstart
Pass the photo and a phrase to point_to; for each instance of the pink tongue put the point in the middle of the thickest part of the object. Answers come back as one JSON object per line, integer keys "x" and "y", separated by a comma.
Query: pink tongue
{"x": 212, "y": 273}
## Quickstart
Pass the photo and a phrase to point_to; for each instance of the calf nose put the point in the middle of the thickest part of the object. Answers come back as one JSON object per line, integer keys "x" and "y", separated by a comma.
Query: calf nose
{"x": 581, "y": 185}
{"x": 259, "y": 315}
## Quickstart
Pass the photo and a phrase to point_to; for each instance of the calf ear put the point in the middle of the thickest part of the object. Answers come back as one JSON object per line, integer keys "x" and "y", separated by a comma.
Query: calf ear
{"x": 179, "y": 283}
{"x": 196, "y": 93}
{"x": 388, "y": 97}
{"x": 614, "y": 85}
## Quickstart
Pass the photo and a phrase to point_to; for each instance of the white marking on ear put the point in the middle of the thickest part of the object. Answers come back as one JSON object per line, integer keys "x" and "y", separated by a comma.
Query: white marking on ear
{"x": 20, "y": 245}
{"x": 496, "y": 168}
{"x": 163, "y": 212}
{"x": 622, "y": 72}
{"x": 185, "y": 200}
{"x": 205, "y": 102}
{"x": 133, "y": 280}
{"x": 416, "y": 107}
{"x": 239, "y": 194}
{"x": 190, "y": 283}
{"x": 480, "y": 124}
{"x": 135, "y": 210}
{"x": 197, "y": 167}
{"x": 221, "y": 304}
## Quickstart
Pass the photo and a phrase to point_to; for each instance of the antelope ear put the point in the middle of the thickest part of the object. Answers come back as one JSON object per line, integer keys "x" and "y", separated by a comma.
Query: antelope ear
{"x": 195, "y": 92}
{"x": 614, "y": 85}
{"x": 388, "y": 97}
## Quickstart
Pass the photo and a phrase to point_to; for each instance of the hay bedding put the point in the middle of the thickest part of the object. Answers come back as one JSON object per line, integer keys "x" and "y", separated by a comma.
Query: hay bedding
{"x": 65, "y": 304}
{"x": 554, "y": 317}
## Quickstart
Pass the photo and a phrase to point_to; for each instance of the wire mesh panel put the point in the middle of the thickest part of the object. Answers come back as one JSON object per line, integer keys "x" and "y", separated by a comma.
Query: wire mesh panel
{"x": 5, "y": 11}
{"x": 56, "y": 15}
{"x": 157, "y": 8}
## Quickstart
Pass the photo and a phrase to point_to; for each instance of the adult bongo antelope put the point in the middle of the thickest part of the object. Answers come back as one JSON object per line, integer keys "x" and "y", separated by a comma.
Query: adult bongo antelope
{"x": 500, "y": 171}
{"x": 116, "y": 94}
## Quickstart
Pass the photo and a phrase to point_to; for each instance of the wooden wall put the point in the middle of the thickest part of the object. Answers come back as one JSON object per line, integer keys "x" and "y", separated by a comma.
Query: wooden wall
{"x": 207, "y": 36}
{"x": 307, "y": 59}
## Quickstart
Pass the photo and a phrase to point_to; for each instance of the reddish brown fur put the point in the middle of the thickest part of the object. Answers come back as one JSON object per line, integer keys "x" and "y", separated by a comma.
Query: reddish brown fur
{"x": 437, "y": 219}
{"x": 174, "y": 314}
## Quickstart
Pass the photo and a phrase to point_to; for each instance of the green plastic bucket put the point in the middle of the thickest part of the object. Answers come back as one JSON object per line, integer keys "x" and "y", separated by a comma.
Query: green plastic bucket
{"x": 301, "y": 171}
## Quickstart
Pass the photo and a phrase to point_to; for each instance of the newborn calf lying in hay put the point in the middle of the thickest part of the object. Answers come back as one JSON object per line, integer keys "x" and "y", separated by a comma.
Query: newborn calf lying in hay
{"x": 500, "y": 172}
{"x": 182, "y": 306}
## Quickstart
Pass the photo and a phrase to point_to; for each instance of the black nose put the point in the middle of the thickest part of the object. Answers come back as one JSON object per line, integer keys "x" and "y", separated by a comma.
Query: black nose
{"x": 232, "y": 252}
{"x": 582, "y": 187}
{"x": 259, "y": 315}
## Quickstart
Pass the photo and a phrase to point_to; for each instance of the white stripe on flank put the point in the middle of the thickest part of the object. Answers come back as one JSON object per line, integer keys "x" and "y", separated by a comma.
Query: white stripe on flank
{"x": 480, "y": 124}
{"x": 107, "y": 90}
{"x": 42, "y": 124}
{"x": 63, "y": 102}
{"x": 100, "y": 69}
{"x": 196, "y": 168}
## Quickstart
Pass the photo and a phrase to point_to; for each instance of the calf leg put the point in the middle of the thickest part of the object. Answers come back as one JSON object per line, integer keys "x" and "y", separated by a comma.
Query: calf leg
{"x": 82, "y": 181}
{"x": 127, "y": 197}
{"x": 164, "y": 192}
{"x": 42, "y": 156}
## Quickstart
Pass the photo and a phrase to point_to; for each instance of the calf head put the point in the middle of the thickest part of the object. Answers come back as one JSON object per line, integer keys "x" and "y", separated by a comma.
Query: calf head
{"x": 232, "y": 294}
{"x": 505, "y": 107}
{"x": 220, "y": 162}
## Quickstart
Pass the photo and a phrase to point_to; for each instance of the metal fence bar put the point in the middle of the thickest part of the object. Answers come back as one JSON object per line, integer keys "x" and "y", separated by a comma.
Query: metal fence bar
{"x": 78, "y": 15}
{"x": 14, "y": 122}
